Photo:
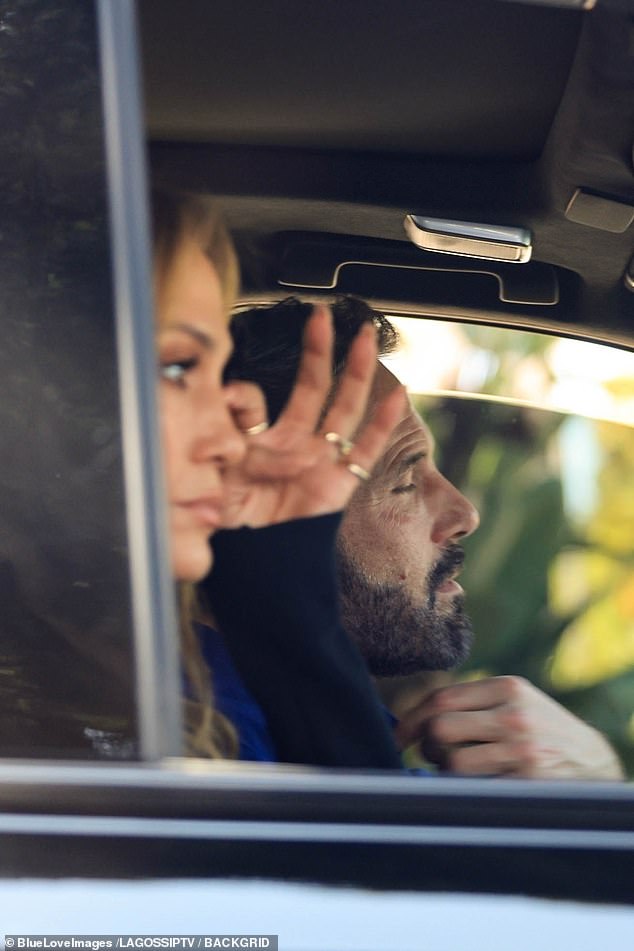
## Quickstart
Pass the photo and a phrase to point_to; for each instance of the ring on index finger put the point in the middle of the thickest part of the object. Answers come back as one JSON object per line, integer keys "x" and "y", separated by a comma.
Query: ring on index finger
{"x": 256, "y": 430}
{"x": 344, "y": 446}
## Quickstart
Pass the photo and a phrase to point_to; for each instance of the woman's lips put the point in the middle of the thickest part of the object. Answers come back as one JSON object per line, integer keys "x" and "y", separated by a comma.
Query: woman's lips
{"x": 206, "y": 511}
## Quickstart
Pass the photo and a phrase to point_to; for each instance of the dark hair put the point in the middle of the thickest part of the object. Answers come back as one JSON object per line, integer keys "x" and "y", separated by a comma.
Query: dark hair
{"x": 268, "y": 343}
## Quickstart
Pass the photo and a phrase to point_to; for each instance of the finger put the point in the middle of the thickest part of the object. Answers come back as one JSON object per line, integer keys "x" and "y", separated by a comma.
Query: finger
{"x": 314, "y": 376}
{"x": 428, "y": 717}
{"x": 372, "y": 438}
{"x": 349, "y": 405}
{"x": 246, "y": 404}
{"x": 494, "y": 759}
{"x": 479, "y": 694}
{"x": 473, "y": 726}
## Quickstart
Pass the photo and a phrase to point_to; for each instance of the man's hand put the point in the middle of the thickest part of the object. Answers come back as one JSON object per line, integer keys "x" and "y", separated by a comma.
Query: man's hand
{"x": 504, "y": 726}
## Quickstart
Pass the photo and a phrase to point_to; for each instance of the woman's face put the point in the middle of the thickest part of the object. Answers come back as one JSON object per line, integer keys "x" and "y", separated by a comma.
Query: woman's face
{"x": 200, "y": 437}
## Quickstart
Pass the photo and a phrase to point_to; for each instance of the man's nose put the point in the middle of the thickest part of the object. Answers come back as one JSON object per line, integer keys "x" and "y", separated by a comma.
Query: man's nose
{"x": 456, "y": 518}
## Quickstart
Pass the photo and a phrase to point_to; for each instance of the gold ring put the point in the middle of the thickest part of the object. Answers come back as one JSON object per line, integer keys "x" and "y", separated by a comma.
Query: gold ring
{"x": 362, "y": 474}
{"x": 344, "y": 446}
{"x": 257, "y": 429}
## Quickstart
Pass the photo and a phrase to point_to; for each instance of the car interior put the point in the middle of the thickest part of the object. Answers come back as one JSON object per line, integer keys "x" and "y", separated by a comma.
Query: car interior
{"x": 323, "y": 139}
{"x": 466, "y": 167}
{"x": 348, "y": 151}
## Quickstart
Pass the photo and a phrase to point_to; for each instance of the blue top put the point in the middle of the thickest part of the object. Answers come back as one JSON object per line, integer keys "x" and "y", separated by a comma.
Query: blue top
{"x": 234, "y": 700}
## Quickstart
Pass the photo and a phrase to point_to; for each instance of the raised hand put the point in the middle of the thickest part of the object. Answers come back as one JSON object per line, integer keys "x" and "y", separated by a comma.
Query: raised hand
{"x": 305, "y": 465}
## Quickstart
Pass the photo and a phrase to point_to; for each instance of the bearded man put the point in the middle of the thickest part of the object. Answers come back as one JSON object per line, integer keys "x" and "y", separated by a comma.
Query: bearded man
{"x": 399, "y": 556}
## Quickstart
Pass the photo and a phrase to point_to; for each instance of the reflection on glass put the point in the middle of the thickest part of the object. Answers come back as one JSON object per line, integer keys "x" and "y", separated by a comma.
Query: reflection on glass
{"x": 66, "y": 671}
{"x": 572, "y": 376}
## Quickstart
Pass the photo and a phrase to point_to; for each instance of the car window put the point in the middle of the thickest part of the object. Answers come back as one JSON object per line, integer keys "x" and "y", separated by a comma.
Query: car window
{"x": 88, "y": 645}
{"x": 70, "y": 521}
{"x": 72, "y": 676}
{"x": 537, "y": 430}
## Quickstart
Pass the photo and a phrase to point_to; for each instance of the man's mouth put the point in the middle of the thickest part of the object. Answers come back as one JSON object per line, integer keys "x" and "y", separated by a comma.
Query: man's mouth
{"x": 450, "y": 586}
{"x": 443, "y": 576}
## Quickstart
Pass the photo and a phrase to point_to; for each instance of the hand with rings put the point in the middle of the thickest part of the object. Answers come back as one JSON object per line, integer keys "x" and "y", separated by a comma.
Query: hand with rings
{"x": 344, "y": 448}
{"x": 302, "y": 467}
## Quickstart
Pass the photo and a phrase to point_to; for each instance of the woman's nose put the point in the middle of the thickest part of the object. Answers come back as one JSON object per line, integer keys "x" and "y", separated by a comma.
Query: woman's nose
{"x": 220, "y": 439}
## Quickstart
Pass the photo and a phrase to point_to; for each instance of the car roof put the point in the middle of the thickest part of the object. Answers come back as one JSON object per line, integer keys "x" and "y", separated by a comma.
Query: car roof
{"x": 321, "y": 126}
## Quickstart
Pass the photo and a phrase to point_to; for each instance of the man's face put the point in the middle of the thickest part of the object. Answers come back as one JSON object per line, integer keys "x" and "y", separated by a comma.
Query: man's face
{"x": 398, "y": 556}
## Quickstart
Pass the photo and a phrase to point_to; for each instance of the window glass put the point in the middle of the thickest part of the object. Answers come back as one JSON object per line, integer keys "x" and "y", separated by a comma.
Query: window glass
{"x": 538, "y": 431}
{"x": 66, "y": 672}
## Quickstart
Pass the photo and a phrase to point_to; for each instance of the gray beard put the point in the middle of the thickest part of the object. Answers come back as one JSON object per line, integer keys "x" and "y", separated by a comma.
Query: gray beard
{"x": 396, "y": 635}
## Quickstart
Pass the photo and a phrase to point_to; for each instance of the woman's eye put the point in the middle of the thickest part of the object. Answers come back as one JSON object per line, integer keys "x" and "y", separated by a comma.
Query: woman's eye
{"x": 176, "y": 370}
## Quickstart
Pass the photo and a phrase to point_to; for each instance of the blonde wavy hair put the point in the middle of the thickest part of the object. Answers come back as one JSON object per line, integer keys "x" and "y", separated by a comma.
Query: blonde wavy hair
{"x": 180, "y": 215}
{"x": 175, "y": 217}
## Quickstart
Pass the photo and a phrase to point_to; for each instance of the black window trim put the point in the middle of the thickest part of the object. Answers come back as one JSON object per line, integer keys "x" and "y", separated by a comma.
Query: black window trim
{"x": 185, "y": 819}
